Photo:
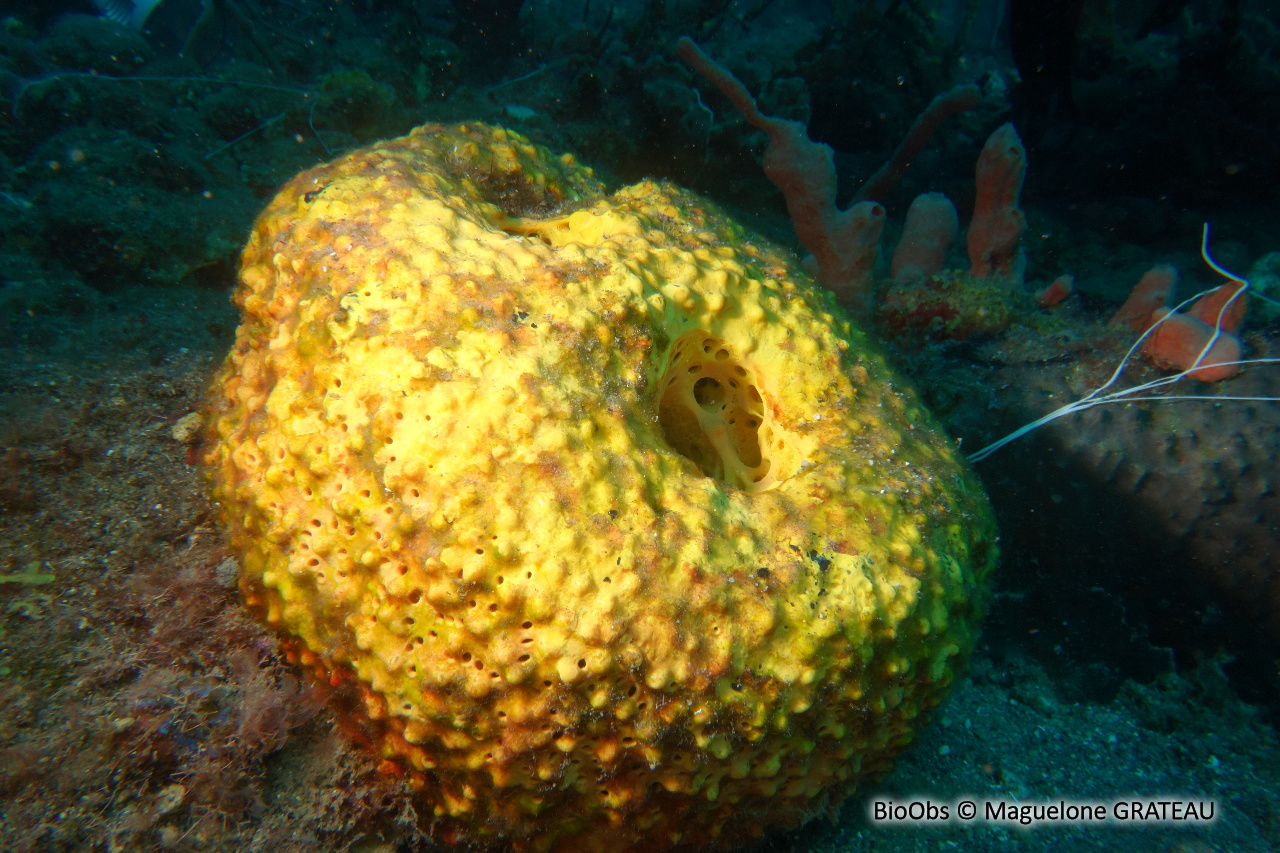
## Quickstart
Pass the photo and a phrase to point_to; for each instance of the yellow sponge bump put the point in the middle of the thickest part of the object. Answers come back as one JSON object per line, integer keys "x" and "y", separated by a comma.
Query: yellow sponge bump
{"x": 607, "y": 527}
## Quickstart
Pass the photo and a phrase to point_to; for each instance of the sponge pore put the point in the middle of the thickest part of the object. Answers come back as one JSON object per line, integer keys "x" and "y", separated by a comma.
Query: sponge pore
{"x": 711, "y": 412}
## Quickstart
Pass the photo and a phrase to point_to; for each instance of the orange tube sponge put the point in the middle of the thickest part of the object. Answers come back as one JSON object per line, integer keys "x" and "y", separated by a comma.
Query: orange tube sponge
{"x": 1059, "y": 289}
{"x": 957, "y": 99}
{"x": 1213, "y": 309}
{"x": 844, "y": 244}
{"x": 927, "y": 236}
{"x": 995, "y": 233}
{"x": 1178, "y": 341}
{"x": 609, "y": 528}
{"x": 1156, "y": 289}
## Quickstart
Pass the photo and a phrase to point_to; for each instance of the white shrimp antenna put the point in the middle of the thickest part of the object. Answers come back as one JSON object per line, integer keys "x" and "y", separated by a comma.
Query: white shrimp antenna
{"x": 1096, "y": 397}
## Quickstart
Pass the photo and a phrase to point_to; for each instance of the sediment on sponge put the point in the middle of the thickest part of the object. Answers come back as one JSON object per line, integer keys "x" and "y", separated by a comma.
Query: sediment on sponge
{"x": 606, "y": 525}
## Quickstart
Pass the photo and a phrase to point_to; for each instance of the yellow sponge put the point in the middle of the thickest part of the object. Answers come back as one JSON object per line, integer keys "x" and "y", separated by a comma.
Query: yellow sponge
{"x": 620, "y": 533}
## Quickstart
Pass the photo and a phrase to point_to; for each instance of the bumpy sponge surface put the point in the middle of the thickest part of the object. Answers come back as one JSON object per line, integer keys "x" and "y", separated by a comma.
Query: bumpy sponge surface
{"x": 616, "y": 531}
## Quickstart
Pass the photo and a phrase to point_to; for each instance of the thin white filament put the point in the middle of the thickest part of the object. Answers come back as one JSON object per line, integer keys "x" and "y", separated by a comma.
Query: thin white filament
{"x": 1139, "y": 392}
